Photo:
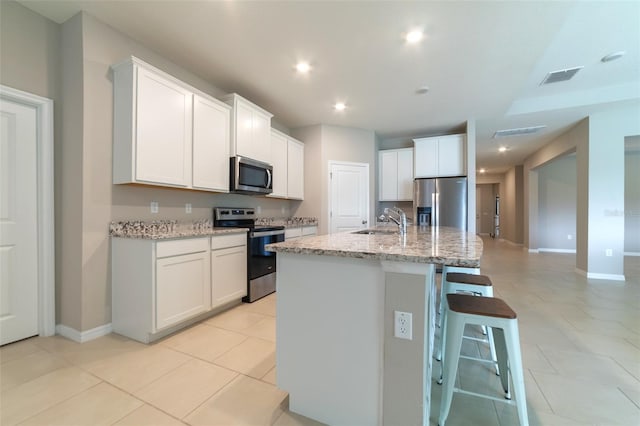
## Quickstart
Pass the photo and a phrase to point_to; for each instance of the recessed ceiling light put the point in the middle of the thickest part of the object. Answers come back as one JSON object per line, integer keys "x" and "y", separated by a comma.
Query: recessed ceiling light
{"x": 303, "y": 67}
{"x": 482, "y": 170}
{"x": 502, "y": 149}
{"x": 422, "y": 90}
{"x": 414, "y": 36}
{"x": 339, "y": 106}
{"x": 613, "y": 56}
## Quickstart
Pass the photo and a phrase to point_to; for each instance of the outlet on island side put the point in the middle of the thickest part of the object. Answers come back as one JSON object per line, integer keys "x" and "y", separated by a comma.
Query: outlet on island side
{"x": 403, "y": 325}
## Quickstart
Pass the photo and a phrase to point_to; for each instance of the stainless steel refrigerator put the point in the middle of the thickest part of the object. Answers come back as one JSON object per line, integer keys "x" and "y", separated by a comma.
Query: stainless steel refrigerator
{"x": 440, "y": 202}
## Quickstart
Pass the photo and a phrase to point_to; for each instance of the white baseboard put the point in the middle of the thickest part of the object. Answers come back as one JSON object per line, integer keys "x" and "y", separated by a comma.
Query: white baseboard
{"x": 509, "y": 242}
{"x": 534, "y": 251}
{"x": 83, "y": 336}
{"x": 631, "y": 253}
{"x": 554, "y": 250}
{"x": 596, "y": 276}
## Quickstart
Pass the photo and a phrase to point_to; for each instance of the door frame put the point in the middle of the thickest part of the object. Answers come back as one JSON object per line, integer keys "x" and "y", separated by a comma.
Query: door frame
{"x": 329, "y": 202}
{"x": 45, "y": 200}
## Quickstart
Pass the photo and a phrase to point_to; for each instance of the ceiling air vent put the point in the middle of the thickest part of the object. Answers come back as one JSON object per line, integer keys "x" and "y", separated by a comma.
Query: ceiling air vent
{"x": 518, "y": 132}
{"x": 560, "y": 75}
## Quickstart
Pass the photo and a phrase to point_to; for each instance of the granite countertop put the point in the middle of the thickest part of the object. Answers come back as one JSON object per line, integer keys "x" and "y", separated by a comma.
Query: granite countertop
{"x": 421, "y": 244}
{"x": 167, "y": 229}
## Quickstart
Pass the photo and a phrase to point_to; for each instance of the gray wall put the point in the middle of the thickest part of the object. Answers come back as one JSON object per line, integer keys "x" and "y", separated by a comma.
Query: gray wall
{"x": 324, "y": 143}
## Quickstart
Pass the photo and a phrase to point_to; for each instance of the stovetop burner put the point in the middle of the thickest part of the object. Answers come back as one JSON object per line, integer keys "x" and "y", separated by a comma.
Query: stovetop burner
{"x": 240, "y": 218}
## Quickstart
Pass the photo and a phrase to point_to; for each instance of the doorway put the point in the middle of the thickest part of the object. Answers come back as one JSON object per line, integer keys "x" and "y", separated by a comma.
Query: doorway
{"x": 486, "y": 208}
{"x": 348, "y": 196}
{"x": 27, "y": 305}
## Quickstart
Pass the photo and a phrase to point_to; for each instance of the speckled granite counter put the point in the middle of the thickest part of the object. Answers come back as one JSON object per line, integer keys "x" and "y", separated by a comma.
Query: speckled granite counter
{"x": 167, "y": 229}
{"x": 438, "y": 245}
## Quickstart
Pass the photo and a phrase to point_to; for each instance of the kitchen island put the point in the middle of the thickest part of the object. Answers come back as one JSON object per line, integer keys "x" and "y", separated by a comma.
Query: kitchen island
{"x": 336, "y": 351}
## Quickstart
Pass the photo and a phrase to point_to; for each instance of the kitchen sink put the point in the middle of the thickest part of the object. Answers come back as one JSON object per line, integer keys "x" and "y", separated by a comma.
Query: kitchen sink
{"x": 376, "y": 232}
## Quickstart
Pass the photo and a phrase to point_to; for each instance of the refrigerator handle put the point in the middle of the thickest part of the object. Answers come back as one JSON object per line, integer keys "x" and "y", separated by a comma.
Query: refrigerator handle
{"x": 435, "y": 213}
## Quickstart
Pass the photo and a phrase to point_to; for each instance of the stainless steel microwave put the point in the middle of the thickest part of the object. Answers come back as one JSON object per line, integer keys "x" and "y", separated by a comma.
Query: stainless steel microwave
{"x": 249, "y": 176}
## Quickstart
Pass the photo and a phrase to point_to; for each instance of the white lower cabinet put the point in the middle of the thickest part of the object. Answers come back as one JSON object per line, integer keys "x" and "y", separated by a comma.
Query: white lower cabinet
{"x": 183, "y": 288}
{"x": 158, "y": 286}
{"x": 228, "y": 268}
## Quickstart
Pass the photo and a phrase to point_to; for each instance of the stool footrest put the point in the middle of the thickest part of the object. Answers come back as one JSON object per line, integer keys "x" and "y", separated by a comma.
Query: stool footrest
{"x": 482, "y": 395}
{"x": 473, "y": 358}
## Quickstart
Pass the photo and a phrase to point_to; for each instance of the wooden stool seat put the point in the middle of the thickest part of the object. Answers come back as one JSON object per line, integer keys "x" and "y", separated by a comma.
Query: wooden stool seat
{"x": 480, "y": 305}
{"x": 464, "y": 278}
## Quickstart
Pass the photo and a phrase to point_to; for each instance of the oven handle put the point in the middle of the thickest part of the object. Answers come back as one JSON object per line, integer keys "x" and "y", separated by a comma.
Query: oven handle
{"x": 265, "y": 233}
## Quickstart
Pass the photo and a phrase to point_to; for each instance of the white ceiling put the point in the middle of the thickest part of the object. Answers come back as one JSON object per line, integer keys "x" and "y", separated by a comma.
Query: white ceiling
{"x": 482, "y": 60}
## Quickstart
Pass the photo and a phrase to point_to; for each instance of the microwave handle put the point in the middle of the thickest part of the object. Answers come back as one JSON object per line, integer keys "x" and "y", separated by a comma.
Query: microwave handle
{"x": 268, "y": 178}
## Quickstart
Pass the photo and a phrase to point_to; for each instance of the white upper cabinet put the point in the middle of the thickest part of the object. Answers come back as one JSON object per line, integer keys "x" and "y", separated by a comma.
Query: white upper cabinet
{"x": 152, "y": 127}
{"x": 279, "y": 162}
{"x": 287, "y": 158}
{"x": 166, "y": 132}
{"x": 396, "y": 174}
{"x": 440, "y": 156}
{"x": 295, "y": 169}
{"x": 250, "y": 129}
{"x": 211, "y": 121}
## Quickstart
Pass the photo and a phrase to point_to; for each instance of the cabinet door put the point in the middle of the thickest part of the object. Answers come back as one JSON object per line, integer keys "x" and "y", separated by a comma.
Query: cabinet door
{"x": 183, "y": 288}
{"x": 163, "y": 131}
{"x": 210, "y": 145}
{"x": 295, "y": 166}
{"x": 228, "y": 274}
{"x": 388, "y": 175}
{"x": 451, "y": 156}
{"x": 244, "y": 130}
{"x": 279, "y": 162}
{"x": 426, "y": 157}
{"x": 405, "y": 175}
{"x": 261, "y": 137}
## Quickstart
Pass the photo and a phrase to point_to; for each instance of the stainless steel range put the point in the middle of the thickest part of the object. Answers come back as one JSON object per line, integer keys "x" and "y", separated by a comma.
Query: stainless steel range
{"x": 261, "y": 264}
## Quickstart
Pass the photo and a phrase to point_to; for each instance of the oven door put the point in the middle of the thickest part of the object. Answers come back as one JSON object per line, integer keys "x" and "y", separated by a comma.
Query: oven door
{"x": 262, "y": 262}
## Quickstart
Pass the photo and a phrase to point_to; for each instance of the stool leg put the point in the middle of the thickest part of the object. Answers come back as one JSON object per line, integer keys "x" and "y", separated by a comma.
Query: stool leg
{"x": 517, "y": 373}
{"x": 441, "y": 349}
{"x": 497, "y": 335}
{"x": 454, "y": 331}
{"x": 492, "y": 349}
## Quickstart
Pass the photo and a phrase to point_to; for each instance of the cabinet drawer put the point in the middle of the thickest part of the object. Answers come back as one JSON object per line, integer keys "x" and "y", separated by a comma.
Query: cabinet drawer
{"x": 231, "y": 240}
{"x": 178, "y": 247}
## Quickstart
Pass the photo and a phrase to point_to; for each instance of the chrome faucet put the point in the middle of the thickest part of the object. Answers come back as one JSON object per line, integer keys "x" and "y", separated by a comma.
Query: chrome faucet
{"x": 400, "y": 219}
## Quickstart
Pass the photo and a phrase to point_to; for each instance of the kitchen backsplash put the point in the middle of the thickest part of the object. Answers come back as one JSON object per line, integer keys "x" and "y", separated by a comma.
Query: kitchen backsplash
{"x": 291, "y": 221}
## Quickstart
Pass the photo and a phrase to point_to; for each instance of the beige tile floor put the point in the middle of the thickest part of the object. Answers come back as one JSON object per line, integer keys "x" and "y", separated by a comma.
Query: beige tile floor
{"x": 580, "y": 341}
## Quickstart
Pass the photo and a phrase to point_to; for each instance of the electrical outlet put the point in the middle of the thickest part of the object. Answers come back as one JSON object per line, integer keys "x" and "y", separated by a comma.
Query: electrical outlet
{"x": 187, "y": 208}
{"x": 608, "y": 252}
{"x": 403, "y": 325}
{"x": 154, "y": 207}
{"x": 569, "y": 237}
{"x": 258, "y": 210}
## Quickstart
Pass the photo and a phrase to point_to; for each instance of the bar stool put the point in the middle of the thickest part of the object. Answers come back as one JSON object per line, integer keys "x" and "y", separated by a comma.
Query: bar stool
{"x": 477, "y": 285}
{"x": 492, "y": 312}
{"x": 446, "y": 269}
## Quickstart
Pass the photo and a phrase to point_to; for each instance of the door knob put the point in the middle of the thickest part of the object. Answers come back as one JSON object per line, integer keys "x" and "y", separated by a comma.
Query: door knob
{"x": 364, "y": 222}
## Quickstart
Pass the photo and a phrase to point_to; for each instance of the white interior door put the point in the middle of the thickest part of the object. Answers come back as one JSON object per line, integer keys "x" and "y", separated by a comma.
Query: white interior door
{"x": 18, "y": 222}
{"x": 348, "y": 196}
